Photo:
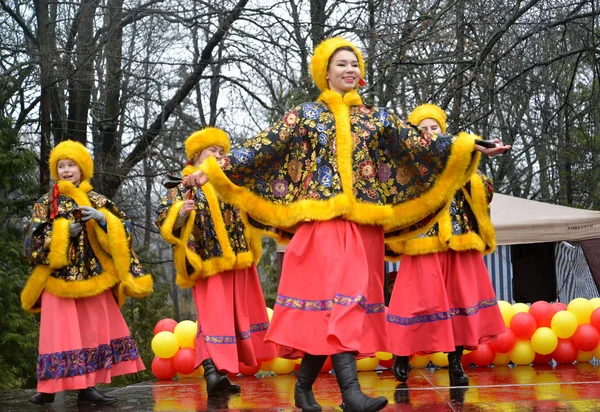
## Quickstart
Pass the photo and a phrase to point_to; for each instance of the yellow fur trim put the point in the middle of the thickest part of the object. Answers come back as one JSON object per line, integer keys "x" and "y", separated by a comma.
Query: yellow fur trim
{"x": 418, "y": 246}
{"x": 454, "y": 176}
{"x": 200, "y": 140}
{"x": 264, "y": 211}
{"x": 466, "y": 241}
{"x": 460, "y": 161}
{"x": 480, "y": 207}
{"x": 120, "y": 250}
{"x": 81, "y": 288}
{"x": 188, "y": 170}
{"x": 320, "y": 60}
{"x": 253, "y": 238}
{"x": 74, "y": 151}
{"x": 428, "y": 111}
{"x": 214, "y": 265}
{"x": 34, "y": 287}
{"x": 59, "y": 243}
{"x": 112, "y": 274}
{"x": 180, "y": 249}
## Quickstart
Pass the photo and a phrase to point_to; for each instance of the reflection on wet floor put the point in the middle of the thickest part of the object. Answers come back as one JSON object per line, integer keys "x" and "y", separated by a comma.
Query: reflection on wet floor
{"x": 501, "y": 388}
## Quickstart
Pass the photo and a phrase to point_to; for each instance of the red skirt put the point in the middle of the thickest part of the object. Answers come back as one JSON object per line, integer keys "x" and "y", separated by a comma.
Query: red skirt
{"x": 440, "y": 301}
{"x": 83, "y": 342}
{"x": 330, "y": 298}
{"x": 232, "y": 320}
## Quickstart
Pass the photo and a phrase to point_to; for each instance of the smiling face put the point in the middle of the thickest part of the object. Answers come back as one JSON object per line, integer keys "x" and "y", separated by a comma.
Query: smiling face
{"x": 68, "y": 170}
{"x": 430, "y": 126}
{"x": 343, "y": 72}
{"x": 217, "y": 151}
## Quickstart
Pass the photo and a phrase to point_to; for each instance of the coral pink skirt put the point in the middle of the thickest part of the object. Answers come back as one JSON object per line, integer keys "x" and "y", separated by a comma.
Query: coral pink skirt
{"x": 83, "y": 342}
{"x": 330, "y": 298}
{"x": 232, "y": 320}
{"x": 440, "y": 301}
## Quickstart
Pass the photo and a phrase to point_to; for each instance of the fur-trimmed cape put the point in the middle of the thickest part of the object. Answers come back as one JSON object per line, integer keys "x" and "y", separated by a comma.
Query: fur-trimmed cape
{"x": 465, "y": 224}
{"x": 214, "y": 238}
{"x": 340, "y": 158}
{"x": 86, "y": 265}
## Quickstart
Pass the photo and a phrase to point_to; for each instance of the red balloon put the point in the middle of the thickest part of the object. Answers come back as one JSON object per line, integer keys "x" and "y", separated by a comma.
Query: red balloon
{"x": 327, "y": 366}
{"x": 248, "y": 370}
{"x": 542, "y": 312}
{"x": 165, "y": 325}
{"x": 586, "y": 337}
{"x": 505, "y": 343}
{"x": 558, "y": 306}
{"x": 565, "y": 352}
{"x": 523, "y": 325}
{"x": 482, "y": 356}
{"x": 466, "y": 360}
{"x": 542, "y": 359}
{"x": 163, "y": 368}
{"x": 595, "y": 319}
{"x": 387, "y": 364}
{"x": 184, "y": 361}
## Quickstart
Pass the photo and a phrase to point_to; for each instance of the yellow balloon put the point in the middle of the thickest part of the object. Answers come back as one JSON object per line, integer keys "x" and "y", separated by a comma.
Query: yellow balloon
{"x": 582, "y": 309}
{"x": 544, "y": 341}
{"x": 520, "y": 307}
{"x": 524, "y": 374}
{"x": 507, "y": 311}
{"x": 297, "y": 361}
{"x": 419, "y": 361}
{"x": 186, "y": 331}
{"x": 367, "y": 364}
{"x": 501, "y": 359}
{"x": 269, "y": 313}
{"x": 522, "y": 353}
{"x": 440, "y": 359}
{"x": 199, "y": 372}
{"x": 585, "y": 356}
{"x": 595, "y": 303}
{"x": 384, "y": 355}
{"x": 164, "y": 344}
{"x": 564, "y": 324}
{"x": 282, "y": 366}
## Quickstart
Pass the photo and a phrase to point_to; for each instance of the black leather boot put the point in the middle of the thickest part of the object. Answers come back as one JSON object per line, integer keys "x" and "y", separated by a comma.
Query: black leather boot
{"x": 400, "y": 368}
{"x": 307, "y": 374}
{"x": 42, "y": 398}
{"x": 402, "y": 394}
{"x": 217, "y": 382}
{"x": 91, "y": 396}
{"x": 455, "y": 369}
{"x": 218, "y": 402}
{"x": 344, "y": 365}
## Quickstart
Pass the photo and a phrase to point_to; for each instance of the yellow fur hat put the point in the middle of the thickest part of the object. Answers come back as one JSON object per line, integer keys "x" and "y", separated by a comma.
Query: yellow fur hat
{"x": 75, "y": 151}
{"x": 207, "y": 137}
{"x": 320, "y": 60}
{"x": 428, "y": 111}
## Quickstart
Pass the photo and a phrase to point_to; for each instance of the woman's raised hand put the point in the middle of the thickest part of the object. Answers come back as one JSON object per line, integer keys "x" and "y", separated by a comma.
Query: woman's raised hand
{"x": 197, "y": 178}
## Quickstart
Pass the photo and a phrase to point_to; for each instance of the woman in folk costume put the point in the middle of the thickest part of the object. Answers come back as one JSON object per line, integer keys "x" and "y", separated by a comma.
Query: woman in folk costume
{"x": 215, "y": 254}
{"x": 338, "y": 174}
{"x": 79, "y": 244}
{"x": 443, "y": 299}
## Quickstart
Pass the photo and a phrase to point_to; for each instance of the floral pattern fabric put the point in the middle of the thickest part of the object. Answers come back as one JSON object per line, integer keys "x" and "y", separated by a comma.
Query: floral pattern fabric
{"x": 83, "y": 264}
{"x": 86, "y": 360}
{"x": 296, "y": 158}
{"x": 203, "y": 238}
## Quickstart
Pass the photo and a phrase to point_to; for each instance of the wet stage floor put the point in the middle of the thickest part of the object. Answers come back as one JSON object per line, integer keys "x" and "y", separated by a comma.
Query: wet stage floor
{"x": 501, "y": 388}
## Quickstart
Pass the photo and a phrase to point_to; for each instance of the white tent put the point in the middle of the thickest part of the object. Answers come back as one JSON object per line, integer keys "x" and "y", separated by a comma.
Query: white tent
{"x": 520, "y": 221}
